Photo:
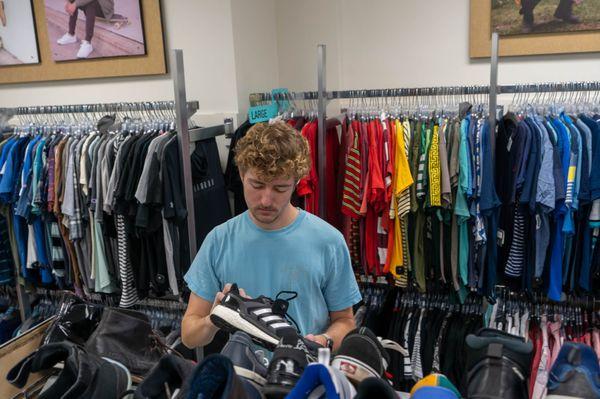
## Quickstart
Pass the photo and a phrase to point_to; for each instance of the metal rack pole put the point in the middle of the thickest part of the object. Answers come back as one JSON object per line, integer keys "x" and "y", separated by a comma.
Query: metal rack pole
{"x": 321, "y": 105}
{"x": 493, "y": 89}
{"x": 431, "y": 91}
{"x": 177, "y": 69}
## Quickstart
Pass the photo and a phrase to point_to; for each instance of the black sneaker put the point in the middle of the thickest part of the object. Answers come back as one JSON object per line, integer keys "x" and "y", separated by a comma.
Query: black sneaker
{"x": 290, "y": 358}
{"x": 262, "y": 318}
{"x": 498, "y": 365}
{"x": 81, "y": 375}
{"x": 362, "y": 355}
{"x": 247, "y": 363}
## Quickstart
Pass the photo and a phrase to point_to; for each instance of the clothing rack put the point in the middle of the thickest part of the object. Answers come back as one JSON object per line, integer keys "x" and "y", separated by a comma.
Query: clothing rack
{"x": 321, "y": 95}
{"x": 256, "y": 98}
{"x": 183, "y": 111}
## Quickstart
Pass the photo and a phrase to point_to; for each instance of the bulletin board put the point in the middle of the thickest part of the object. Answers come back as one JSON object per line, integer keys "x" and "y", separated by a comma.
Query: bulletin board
{"x": 153, "y": 62}
{"x": 480, "y": 42}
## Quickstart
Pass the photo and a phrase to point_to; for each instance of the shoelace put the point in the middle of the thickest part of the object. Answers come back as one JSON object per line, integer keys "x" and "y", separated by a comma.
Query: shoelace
{"x": 280, "y": 306}
{"x": 392, "y": 345}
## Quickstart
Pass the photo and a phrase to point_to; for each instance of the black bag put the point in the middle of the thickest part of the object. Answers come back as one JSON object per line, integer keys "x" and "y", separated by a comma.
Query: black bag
{"x": 127, "y": 337}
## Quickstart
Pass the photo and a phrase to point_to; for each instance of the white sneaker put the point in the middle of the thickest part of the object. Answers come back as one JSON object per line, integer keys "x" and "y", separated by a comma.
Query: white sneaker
{"x": 67, "y": 39}
{"x": 85, "y": 49}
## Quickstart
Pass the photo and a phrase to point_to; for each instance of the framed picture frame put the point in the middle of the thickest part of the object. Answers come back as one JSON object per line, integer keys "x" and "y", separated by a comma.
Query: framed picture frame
{"x": 144, "y": 52}
{"x": 18, "y": 37}
{"x": 480, "y": 32}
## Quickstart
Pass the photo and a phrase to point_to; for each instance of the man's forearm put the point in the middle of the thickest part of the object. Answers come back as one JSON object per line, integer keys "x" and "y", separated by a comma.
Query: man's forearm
{"x": 197, "y": 331}
{"x": 338, "y": 330}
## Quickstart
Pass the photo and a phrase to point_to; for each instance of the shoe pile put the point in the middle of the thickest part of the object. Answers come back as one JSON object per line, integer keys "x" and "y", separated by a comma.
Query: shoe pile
{"x": 293, "y": 370}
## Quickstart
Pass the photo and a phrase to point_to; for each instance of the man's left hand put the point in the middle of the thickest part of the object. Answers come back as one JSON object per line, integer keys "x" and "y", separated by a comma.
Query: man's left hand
{"x": 319, "y": 339}
{"x": 71, "y": 8}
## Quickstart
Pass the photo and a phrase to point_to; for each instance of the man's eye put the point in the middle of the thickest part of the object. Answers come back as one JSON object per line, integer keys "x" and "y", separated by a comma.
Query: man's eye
{"x": 258, "y": 186}
{"x": 281, "y": 189}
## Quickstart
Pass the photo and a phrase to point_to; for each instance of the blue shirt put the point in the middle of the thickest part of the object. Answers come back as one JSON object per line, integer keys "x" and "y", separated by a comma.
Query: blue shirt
{"x": 309, "y": 256}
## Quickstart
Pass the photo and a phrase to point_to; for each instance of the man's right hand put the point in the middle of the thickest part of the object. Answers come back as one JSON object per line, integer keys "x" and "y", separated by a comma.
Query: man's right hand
{"x": 221, "y": 294}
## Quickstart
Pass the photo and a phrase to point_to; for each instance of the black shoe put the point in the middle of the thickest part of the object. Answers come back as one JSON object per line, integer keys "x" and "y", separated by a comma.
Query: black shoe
{"x": 262, "y": 318}
{"x": 362, "y": 355}
{"x": 171, "y": 371}
{"x": 568, "y": 18}
{"x": 83, "y": 375}
{"x": 575, "y": 373}
{"x": 498, "y": 365}
{"x": 375, "y": 388}
{"x": 290, "y": 358}
{"x": 527, "y": 27}
{"x": 247, "y": 363}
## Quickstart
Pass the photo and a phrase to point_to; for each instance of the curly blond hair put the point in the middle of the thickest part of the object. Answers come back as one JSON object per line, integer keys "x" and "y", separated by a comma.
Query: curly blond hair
{"x": 274, "y": 151}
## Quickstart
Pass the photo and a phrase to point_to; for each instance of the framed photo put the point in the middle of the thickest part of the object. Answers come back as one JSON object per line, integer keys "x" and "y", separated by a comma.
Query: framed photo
{"x": 18, "y": 40}
{"x": 82, "y": 29}
{"x": 532, "y": 27}
{"x": 121, "y": 37}
{"x": 527, "y": 17}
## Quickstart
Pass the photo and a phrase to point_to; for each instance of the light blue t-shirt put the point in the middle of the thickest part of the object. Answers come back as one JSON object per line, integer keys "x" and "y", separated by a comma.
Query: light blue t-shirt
{"x": 309, "y": 256}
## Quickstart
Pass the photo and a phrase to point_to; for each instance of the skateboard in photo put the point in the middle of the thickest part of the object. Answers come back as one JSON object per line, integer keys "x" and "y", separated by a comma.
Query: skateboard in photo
{"x": 117, "y": 21}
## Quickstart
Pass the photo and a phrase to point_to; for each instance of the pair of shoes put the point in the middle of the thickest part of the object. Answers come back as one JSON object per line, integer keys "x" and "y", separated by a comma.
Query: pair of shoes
{"x": 575, "y": 373}
{"x": 85, "y": 49}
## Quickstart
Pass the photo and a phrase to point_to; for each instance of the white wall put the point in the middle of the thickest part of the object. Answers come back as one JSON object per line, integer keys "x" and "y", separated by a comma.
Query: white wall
{"x": 18, "y": 36}
{"x": 391, "y": 43}
{"x": 255, "y": 45}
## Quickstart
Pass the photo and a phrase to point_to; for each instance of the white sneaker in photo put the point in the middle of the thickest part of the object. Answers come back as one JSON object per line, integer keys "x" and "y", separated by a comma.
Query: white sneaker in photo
{"x": 85, "y": 49}
{"x": 67, "y": 39}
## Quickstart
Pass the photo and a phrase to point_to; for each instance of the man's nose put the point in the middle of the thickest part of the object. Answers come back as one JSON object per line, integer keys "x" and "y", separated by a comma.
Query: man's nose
{"x": 266, "y": 198}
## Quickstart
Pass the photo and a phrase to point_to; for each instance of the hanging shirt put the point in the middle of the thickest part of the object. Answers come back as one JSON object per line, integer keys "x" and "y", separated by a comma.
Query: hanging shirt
{"x": 461, "y": 210}
{"x": 351, "y": 190}
{"x": 435, "y": 187}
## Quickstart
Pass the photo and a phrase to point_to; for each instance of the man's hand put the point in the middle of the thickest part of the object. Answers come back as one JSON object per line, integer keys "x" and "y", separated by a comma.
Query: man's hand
{"x": 196, "y": 327}
{"x": 319, "y": 339}
{"x": 70, "y": 8}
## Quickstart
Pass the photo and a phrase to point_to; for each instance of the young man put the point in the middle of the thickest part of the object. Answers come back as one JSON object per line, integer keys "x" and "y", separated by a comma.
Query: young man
{"x": 91, "y": 9}
{"x": 274, "y": 247}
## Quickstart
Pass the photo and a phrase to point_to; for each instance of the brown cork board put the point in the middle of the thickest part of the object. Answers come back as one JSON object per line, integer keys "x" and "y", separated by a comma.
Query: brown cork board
{"x": 152, "y": 63}
{"x": 480, "y": 42}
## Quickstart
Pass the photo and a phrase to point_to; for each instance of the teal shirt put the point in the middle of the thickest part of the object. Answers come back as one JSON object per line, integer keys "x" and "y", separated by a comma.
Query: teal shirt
{"x": 309, "y": 256}
{"x": 461, "y": 209}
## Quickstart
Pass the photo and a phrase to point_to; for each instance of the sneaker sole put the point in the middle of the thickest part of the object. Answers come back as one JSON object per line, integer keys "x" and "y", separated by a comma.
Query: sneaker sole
{"x": 226, "y": 318}
{"x": 250, "y": 375}
{"x": 355, "y": 370}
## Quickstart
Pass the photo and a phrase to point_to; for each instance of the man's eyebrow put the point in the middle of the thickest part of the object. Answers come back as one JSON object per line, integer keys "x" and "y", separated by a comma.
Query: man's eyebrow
{"x": 255, "y": 181}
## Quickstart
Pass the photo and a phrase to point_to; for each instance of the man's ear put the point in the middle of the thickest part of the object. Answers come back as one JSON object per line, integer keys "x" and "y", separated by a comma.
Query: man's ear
{"x": 242, "y": 173}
